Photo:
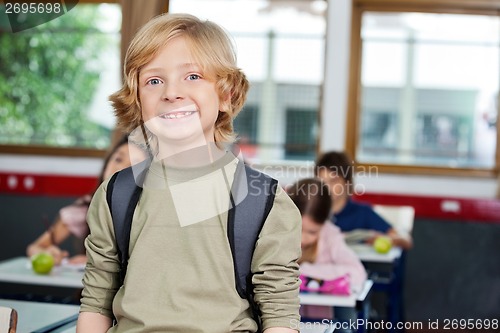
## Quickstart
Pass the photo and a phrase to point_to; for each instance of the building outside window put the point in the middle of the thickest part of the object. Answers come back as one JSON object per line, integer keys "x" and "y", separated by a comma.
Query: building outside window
{"x": 428, "y": 90}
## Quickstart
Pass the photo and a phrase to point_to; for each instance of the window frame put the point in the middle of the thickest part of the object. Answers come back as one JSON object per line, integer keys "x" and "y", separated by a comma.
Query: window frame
{"x": 353, "y": 118}
{"x": 30, "y": 149}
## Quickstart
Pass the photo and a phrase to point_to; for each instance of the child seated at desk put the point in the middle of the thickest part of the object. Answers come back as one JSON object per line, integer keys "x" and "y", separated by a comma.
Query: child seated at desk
{"x": 72, "y": 219}
{"x": 325, "y": 255}
{"x": 336, "y": 169}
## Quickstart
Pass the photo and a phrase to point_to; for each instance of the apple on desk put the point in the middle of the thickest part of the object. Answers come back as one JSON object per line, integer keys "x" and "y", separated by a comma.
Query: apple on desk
{"x": 42, "y": 263}
{"x": 382, "y": 244}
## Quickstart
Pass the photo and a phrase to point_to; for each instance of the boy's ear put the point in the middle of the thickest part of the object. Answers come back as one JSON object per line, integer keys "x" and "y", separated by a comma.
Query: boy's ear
{"x": 225, "y": 103}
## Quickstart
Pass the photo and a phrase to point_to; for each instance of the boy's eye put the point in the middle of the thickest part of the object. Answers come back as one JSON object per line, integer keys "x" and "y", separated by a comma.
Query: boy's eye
{"x": 154, "y": 82}
{"x": 192, "y": 77}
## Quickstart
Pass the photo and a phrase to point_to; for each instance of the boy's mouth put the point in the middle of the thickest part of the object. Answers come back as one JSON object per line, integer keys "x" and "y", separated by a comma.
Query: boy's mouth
{"x": 180, "y": 112}
{"x": 176, "y": 114}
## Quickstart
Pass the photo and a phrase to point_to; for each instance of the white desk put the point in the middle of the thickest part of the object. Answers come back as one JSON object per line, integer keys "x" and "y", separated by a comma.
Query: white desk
{"x": 18, "y": 270}
{"x": 367, "y": 253}
{"x": 316, "y": 328}
{"x": 334, "y": 300}
{"x": 38, "y": 317}
{"x": 387, "y": 271}
{"x": 359, "y": 300}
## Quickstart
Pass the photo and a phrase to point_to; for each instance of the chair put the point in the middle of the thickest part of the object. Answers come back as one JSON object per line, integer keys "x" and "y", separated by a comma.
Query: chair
{"x": 8, "y": 320}
{"x": 401, "y": 218}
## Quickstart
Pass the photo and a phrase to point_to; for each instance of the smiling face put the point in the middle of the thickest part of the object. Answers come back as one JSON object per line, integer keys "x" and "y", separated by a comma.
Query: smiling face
{"x": 180, "y": 104}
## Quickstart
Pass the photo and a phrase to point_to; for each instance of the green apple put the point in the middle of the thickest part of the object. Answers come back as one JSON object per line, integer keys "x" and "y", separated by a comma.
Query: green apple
{"x": 42, "y": 263}
{"x": 382, "y": 244}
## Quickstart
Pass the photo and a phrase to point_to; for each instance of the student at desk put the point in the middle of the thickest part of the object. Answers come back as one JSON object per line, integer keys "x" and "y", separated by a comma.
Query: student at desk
{"x": 325, "y": 255}
{"x": 336, "y": 170}
{"x": 72, "y": 219}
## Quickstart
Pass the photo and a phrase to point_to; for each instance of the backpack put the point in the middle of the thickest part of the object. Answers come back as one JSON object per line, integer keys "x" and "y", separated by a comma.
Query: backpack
{"x": 245, "y": 219}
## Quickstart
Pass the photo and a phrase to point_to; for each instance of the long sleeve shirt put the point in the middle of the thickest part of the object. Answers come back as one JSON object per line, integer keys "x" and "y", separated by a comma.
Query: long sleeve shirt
{"x": 180, "y": 275}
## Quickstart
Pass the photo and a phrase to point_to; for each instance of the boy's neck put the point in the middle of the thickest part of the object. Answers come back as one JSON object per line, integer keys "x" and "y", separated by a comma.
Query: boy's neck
{"x": 339, "y": 204}
{"x": 193, "y": 157}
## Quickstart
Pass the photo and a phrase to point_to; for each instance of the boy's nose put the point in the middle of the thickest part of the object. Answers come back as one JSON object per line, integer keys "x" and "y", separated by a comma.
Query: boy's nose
{"x": 171, "y": 93}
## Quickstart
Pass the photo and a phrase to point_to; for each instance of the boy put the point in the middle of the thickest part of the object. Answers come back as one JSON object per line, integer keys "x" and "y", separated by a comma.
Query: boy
{"x": 182, "y": 90}
{"x": 336, "y": 170}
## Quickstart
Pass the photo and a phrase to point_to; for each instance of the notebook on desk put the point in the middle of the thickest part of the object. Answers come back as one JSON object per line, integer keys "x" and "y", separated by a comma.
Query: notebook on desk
{"x": 357, "y": 236}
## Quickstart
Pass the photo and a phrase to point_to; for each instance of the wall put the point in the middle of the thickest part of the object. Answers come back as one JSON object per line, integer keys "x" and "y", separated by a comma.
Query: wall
{"x": 453, "y": 271}
{"x": 22, "y": 221}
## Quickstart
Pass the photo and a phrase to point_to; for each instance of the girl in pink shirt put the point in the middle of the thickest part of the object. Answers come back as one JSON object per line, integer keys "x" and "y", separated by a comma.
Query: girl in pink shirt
{"x": 325, "y": 255}
{"x": 72, "y": 219}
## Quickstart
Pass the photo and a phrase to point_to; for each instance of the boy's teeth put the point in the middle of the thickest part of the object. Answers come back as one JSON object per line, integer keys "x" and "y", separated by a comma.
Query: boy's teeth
{"x": 176, "y": 115}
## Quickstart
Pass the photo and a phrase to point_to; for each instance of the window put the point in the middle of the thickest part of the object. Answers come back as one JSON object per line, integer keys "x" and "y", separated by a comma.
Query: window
{"x": 301, "y": 134}
{"x": 246, "y": 123}
{"x": 55, "y": 79}
{"x": 427, "y": 87}
{"x": 280, "y": 47}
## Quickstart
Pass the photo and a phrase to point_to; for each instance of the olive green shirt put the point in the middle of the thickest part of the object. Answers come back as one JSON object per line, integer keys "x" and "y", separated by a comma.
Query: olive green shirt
{"x": 180, "y": 275}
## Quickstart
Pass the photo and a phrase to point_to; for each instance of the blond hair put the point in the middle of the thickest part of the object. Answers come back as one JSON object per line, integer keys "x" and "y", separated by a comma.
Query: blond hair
{"x": 211, "y": 48}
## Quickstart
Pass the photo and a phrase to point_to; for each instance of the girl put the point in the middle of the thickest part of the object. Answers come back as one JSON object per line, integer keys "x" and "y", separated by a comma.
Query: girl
{"x": 72, "y": 218}
{"x": 325, "y": 255}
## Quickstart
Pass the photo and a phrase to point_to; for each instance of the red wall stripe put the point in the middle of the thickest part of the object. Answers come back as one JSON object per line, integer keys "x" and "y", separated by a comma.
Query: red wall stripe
{"x": 442, "y": 208}
{"x": 47, "y": 185}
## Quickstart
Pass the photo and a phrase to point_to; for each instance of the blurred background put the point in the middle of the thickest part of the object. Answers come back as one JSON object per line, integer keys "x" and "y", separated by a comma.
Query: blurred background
{"x": 408, "y": 88}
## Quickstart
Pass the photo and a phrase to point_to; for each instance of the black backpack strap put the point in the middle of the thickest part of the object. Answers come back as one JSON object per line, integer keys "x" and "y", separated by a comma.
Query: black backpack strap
{"x": 245, "y": 221}
{"x": 122, "y": 196}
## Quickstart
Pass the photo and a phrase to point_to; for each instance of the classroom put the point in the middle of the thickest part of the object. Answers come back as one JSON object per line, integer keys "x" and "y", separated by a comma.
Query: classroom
{"x": 407, "y": 89}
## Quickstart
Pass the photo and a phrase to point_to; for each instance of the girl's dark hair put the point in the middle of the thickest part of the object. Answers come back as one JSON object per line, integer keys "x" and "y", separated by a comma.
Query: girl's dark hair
{"x": 312, "y": 198}
{"x": 122, "y": 141}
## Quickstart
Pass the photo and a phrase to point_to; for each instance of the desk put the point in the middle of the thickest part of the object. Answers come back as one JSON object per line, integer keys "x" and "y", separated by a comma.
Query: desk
{"x": 316, "y": 328}
{"x": 388, "y": 278}
{"x": 367, "y": 253}
{"x": 359, "y": 300}
{"x": 350, "y": 301}
{"x": 43, "y": 317}
{"x": 18, "y": 270}
{"x": 46, "y": 317}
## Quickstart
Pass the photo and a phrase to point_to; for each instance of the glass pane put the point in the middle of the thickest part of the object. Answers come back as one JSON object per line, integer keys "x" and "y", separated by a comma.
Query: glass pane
{"x": 430, "y": 84}
{"x": 301, "y": 132}
{"x": 290, "y": 65}
{"x": 55, "y": 78}
{"x": 280, "y": 47}
{"x": 246, "y": 123}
